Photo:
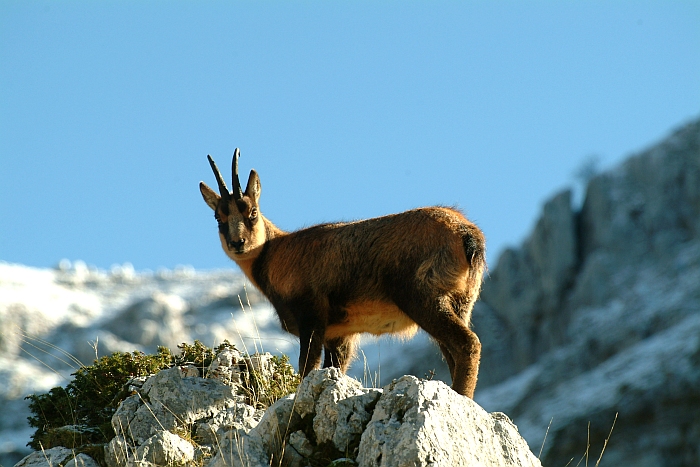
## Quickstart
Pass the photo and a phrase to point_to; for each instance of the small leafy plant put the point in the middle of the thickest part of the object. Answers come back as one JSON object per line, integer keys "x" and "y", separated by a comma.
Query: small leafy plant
{"x": 79, "y": 415}
{"x": 88, "y": 402}
{"x": 262, "y": 390}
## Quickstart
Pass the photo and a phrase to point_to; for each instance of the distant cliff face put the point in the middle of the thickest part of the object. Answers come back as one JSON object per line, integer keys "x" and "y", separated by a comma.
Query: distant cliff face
{"x": 608, "y": 297}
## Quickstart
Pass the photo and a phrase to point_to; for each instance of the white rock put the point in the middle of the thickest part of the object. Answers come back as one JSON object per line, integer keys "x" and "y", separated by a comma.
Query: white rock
{"x": 48, "y": 458}
{"x": 117, "y": 452}
{"x": 165, "y": 448}
{"x": 82, "y": 460}
{"x": 260, "y": 363}
{"x": 341, "y": 407}
{"x": 264, "y": 443}
{"x": 188, "y": 371}
{"x": 425, "y": 423}
{"x": 188, "y": 398}
{"x": 240, "y": 416}
{"x": 301, "y": 443}
{"x": 225, "y": 368}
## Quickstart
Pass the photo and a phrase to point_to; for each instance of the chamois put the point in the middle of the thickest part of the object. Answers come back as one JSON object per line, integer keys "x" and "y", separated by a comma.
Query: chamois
{"x": 331, "y": 282}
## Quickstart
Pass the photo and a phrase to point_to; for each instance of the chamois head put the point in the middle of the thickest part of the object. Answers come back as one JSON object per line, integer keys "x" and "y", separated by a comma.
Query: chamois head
{"x": 241, "y": 228}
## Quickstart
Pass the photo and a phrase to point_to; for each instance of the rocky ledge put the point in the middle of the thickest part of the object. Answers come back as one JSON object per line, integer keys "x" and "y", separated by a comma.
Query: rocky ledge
{"x": 177, "y": 418}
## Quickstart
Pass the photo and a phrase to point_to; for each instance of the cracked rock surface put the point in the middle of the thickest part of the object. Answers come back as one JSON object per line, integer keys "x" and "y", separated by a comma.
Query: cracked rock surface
{"x": 178, "y": 419}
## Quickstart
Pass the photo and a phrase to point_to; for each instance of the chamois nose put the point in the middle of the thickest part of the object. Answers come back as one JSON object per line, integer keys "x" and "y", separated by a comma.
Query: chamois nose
{"x": 236, "y": 246}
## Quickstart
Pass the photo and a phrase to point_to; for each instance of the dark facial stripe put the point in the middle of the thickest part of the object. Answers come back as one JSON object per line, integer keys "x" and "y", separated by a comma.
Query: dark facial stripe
{"x": 242, "y": 205}
{"x": 223, "y": 229}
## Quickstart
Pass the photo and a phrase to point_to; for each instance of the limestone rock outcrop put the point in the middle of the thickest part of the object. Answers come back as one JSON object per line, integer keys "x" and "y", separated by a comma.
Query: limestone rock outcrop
{"x": 176, "y": 418}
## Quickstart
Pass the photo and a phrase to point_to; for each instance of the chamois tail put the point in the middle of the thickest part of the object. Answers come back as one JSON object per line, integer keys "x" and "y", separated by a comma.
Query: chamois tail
{"x": 475, "y": 250}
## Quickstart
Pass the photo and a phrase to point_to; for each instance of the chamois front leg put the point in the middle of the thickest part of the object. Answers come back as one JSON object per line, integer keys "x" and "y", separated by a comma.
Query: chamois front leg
{"x": 311, "y": 340}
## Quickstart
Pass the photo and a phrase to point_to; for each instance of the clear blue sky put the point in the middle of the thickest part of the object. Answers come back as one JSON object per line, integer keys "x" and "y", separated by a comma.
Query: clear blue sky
{"x": 346, "y": 109}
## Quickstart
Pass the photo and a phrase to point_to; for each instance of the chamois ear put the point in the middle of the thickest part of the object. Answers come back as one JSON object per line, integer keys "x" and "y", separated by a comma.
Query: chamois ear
{"x": 253, "y": 187}
{"x": 209, "y": 195}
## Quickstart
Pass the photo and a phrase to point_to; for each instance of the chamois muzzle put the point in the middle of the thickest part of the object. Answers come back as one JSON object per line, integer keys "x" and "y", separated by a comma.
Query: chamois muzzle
{"x": 236, "y": 246}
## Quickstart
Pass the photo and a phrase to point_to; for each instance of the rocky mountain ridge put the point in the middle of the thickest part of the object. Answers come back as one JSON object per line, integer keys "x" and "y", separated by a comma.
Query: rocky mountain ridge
{"x": 598, "y": 313}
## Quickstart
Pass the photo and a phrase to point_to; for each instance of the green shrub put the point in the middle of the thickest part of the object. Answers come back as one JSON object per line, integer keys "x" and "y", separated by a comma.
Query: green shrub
{"x": 79, "y": 415}
{"x": 200, "y": 355}
{"x": 262, "y": 392}
{"x": 89, "y": 401}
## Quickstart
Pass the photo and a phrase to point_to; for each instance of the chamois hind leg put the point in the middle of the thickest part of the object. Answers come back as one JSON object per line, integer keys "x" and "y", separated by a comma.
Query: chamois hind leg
{"x": 439, "y": 318}
{"x": 467, "y": 368}
{"x": 339, "y": 352}
{"x": 448, "y": 359}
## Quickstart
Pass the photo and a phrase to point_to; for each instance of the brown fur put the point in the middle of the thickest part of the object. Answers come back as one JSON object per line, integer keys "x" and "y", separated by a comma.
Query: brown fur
{"x": 392, "y": 274}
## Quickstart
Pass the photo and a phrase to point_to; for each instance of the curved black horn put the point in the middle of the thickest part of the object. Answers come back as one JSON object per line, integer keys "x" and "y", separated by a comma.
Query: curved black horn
{"x": 237, "y": 192}
{"x": 219, "y": 179}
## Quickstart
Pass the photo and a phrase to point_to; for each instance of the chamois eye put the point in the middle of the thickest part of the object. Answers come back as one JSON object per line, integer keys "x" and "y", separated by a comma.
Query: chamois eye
{"x": 253, "y": 214}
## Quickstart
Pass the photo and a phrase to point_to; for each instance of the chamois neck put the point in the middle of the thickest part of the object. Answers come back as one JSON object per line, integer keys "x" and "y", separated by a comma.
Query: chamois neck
{"x": 246, "y": 264}
{"x": 271, "y": 230}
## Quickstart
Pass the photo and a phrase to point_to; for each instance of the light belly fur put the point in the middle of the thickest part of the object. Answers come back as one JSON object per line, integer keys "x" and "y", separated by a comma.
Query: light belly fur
{"x": 375, "y": 317}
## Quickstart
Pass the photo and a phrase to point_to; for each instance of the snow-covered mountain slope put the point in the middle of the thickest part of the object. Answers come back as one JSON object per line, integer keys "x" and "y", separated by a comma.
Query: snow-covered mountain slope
{"x": 54, "y": 320}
